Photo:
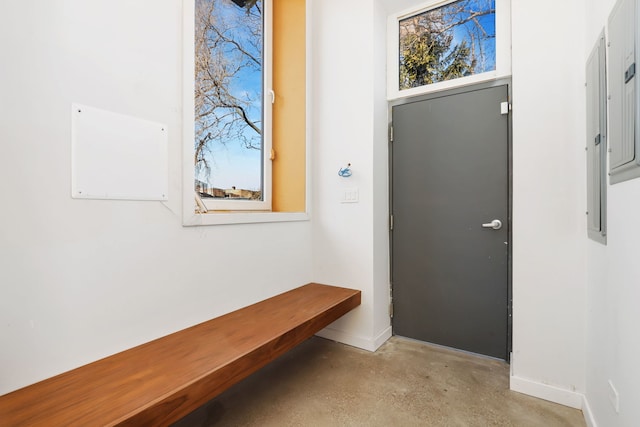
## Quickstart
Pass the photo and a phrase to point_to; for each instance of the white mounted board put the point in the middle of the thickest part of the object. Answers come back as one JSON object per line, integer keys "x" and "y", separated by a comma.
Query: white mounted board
{"x": 115, "y": 156}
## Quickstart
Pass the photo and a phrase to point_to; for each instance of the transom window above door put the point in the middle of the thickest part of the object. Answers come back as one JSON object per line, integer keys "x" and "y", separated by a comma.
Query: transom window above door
{"x": 446, "y": 44}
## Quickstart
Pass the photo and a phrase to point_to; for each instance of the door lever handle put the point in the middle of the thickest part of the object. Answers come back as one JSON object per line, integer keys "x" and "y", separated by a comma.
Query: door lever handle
{"x": 496, "y": 224}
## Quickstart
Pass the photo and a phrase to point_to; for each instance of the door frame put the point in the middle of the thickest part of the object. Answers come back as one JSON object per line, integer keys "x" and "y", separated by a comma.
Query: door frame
{"x": 440, "y": 94}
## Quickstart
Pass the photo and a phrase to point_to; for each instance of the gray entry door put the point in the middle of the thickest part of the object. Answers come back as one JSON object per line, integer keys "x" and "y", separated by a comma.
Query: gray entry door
{"x": 449, "y": 177}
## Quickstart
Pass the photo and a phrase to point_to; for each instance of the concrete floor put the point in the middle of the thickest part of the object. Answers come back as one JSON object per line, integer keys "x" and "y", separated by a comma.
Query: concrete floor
{"x": 404, "y": 383}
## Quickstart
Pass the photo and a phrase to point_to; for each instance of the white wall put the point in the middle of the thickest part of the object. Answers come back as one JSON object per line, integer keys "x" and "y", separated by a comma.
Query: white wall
{"x": 613, "y": 341}
{"x": 549, "y": 241}
{"x": 350, "y": 240}
{"x": 549, "y": 237}
{"x": 82, "y": 279}
{"x": 381, "y": 244}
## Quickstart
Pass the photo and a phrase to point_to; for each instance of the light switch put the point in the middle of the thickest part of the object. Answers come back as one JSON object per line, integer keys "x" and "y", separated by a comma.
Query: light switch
{"x": 349, "y": 195}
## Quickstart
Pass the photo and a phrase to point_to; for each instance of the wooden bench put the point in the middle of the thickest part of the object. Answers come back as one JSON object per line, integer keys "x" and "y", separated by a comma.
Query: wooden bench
{"x": 159, "y": 382}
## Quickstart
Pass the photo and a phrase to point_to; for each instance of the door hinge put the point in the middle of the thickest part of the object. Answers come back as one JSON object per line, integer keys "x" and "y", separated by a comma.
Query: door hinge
{"x": 505, "y": 107}
{"x": 391, "y": 222}
{"x": 391, "y": 133}
{"x": 391, "y": 309}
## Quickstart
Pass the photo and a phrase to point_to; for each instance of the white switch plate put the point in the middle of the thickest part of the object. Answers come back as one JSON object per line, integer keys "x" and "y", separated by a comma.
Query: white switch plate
{"x": 349, "y": 195}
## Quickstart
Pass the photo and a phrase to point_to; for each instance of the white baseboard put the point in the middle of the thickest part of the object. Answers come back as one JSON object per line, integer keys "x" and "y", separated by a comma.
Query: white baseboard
{"x": 382, "y": 338}
{"x": 547, "y": 392}
{"x": 369, "y": 344}
{"x": 587, "y": 413}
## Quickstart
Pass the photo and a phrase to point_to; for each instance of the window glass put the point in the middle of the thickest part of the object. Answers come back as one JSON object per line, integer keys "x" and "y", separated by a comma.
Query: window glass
{"x": 229, "y": 99}
{"x": 449, "y": 42}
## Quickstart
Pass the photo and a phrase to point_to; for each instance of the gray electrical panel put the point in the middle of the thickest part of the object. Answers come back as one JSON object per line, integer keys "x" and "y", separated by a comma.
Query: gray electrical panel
{"x": 596, "y": 87}
{"x": 624, "y": 88}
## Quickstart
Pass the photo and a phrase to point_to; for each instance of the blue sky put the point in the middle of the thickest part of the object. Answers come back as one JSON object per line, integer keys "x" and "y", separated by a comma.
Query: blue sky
{"x": 488, "y": 22}
{"x": 232, "y": 164}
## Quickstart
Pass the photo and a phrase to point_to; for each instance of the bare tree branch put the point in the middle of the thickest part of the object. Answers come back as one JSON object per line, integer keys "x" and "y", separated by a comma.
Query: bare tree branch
{"x": 227, "y": 47}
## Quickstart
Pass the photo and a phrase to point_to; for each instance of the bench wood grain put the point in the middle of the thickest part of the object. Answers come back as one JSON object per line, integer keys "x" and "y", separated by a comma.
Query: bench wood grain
{"x": 161, "y": 381}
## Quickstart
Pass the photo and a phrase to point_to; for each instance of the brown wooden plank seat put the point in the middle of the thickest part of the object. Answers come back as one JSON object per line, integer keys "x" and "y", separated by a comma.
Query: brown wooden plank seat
{"x": 161, "y": 381}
